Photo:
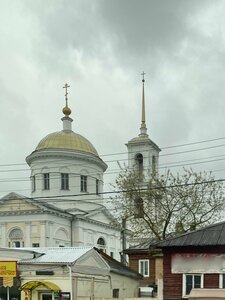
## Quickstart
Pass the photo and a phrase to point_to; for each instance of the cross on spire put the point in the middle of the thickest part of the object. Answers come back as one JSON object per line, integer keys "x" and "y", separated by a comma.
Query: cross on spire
{"x": 143, "y": 76}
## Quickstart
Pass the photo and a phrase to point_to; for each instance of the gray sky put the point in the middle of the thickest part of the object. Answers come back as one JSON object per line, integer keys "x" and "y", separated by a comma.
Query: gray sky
{"x": 100, "y": 47}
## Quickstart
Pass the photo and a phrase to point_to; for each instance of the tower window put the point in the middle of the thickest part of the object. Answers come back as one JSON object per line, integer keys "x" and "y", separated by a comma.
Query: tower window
{"x": 153, "y": 164}
{"x": 64, "y": 181}
{"x": 97, "y": 186}
{"x": 139, "y": 161}
{"x": 83, "y": 183}
{"x": 33, "y": 183}
{"x": 46, "y": 181}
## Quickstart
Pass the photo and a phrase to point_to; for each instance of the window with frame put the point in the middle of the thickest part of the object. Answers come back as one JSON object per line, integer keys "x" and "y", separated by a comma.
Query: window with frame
{"x": 191, "y": 281}
{"x": 116, "y": 293}
{"x": 35, "y": 245}
{"x": 33, "y": 183}
{"x": 144, "y": 267}
{"x": 46, "y": 181}
{"x": 222, "y": 281}
{"x": 64, "y": 181}
{"x": 83, "y": 183}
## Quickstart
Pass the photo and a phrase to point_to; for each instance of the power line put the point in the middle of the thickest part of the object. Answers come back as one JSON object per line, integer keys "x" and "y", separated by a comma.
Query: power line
{"x": 133, "y": 190}
{"x": 123, "y": 153}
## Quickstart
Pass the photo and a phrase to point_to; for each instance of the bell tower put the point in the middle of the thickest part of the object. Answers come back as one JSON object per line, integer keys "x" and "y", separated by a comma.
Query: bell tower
{"x": 143, "y": 153}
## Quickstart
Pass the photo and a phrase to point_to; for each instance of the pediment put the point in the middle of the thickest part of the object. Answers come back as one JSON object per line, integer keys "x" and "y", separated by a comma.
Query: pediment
{"x": 102, "y": 215}
{"x": 15, "y": 203}
{"x": 92, "y": 262}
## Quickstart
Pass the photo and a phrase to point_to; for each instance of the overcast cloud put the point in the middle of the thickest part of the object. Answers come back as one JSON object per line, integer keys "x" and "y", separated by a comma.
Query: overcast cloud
{"x": 100, "y": 48}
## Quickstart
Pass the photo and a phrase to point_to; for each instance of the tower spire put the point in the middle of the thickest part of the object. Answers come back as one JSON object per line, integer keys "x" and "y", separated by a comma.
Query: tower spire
{"x": 143, "y": 129}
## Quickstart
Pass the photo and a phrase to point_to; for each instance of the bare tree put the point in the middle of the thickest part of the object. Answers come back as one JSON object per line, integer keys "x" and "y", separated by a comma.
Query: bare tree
{"x": 168, "y": 204}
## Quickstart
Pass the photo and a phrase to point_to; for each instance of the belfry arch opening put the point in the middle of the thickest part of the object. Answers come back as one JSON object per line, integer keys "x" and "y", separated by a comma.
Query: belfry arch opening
{"x": 139, "y": 163}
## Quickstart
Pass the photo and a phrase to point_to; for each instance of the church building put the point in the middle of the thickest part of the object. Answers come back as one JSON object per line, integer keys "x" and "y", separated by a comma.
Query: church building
{"x": 66, "y": 207}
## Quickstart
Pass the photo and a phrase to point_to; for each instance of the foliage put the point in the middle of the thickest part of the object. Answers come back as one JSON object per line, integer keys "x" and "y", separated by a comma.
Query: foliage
{"x": 168, "y": 204}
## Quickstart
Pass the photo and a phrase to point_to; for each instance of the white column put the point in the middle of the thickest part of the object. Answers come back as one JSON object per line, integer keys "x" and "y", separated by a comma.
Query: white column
{"x": 27, "y": 242}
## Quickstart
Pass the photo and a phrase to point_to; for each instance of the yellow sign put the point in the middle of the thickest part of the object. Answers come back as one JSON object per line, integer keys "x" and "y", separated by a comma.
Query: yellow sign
{"x": 8, "y": 268}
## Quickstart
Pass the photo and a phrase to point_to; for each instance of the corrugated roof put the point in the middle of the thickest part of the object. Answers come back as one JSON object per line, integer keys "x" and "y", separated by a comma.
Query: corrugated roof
{"x": 58, "y": 255}
{"x": 118, "y": 267}
{"x": 213, "y": 235}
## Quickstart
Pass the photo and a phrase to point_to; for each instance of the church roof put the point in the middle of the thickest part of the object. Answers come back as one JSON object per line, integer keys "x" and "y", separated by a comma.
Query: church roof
{"x": 66, "y": 139}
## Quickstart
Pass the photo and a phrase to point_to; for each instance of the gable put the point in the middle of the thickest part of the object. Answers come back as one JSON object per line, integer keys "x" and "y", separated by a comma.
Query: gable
{"x": 103, "y": 216}
{"x": 100, "y": 216}
{"x": 92, "y": 263}
{"x": 17, "y": 205}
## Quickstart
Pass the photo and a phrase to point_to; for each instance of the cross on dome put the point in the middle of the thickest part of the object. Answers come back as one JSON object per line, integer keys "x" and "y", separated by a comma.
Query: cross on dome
{"x": 66, "y": 110}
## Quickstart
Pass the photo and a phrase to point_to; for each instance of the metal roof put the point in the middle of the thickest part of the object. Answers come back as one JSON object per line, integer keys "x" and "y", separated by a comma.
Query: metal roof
{"x": 213, "y": 235}
{"x": 58, "y": 255}
{"x": 119, "y": 268}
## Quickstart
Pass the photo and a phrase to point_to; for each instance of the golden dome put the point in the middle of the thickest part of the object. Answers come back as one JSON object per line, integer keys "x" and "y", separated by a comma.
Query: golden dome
{"x": 68, "y": 140}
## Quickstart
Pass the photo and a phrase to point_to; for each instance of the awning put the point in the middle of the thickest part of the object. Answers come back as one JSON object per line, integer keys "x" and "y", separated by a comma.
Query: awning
{"x": 31, "y": 285}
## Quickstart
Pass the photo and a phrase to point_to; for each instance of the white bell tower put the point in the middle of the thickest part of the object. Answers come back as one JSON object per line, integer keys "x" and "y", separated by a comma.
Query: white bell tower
{"x": 143, "y": 153}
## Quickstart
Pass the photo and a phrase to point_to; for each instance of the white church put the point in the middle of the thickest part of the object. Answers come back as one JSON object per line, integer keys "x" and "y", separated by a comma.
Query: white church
{"x": 66, "y": 207}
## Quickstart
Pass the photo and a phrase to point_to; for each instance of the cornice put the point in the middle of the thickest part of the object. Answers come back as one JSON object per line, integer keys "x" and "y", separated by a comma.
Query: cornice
{"x": 60, "y": 153}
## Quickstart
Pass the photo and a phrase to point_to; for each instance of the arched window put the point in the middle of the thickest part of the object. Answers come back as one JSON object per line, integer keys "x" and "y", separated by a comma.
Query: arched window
{"x": 139, "y": 162}
{"x": 101, "y": 243}
{"x": 16, "y": 238}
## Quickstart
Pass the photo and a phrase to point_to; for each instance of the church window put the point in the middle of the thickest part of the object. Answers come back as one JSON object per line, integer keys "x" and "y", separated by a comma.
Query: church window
{"x": 101, "y": 243}
{"x": 97, "y": 186}
{"x": 116, "y": 293}
{"x": 139, "y": 161}
{"x": 83, "y": 183}
{"x": 16, "y": 238}
{"x": 33, "y": 183}
{"x": 153, "y": 164}
{"x": 46, "y": 181}
{"x": 64, "y": 181}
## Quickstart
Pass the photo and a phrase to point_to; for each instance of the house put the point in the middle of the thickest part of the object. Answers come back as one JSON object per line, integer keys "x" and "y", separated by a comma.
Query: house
{"x": 193, "y": 260}
{"x": 146, "y": 260}
{"x": 68, "y": 273}
{"x": 125, "y": 281}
